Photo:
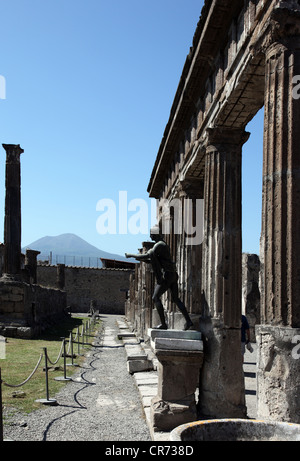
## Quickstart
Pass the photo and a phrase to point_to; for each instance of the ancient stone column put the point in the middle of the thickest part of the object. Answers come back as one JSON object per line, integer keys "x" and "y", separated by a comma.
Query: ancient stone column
{"x": 60, "y": 276}
{"x": 12, "y": 222}
{"x": 31, "y": 264}
{"x": 222, "y": 381}
{"x": 250, "y": 291}
{"x": 278, "y": 367}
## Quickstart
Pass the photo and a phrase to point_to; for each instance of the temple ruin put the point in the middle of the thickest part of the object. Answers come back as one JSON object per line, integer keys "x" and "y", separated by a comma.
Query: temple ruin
{"x": 245, "y": 55}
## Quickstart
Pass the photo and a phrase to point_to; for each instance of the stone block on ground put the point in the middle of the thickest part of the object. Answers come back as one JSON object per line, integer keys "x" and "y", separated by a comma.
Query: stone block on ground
{"x": 166, "y": 415}
{"x": 137, "y": 365}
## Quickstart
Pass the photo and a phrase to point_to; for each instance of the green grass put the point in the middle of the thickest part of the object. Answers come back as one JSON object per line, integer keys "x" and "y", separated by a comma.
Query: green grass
{"x": 21, "y": 358}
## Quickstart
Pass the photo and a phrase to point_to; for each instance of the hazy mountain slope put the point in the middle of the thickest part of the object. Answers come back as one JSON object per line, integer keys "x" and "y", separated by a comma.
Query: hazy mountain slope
{"x": 68, "y": 245}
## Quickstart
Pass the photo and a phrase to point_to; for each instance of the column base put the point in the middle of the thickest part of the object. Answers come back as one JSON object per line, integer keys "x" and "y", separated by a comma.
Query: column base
{"x": 222, "y": 386}
{"x": 278, "y": 373}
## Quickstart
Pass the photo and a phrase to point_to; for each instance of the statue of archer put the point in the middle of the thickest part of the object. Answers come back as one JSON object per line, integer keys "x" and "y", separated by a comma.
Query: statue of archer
{"x": 166, "y": 276}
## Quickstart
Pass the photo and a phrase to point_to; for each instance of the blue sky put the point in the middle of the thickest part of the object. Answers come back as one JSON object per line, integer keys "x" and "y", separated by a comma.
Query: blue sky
{"x": 89, "y": 88}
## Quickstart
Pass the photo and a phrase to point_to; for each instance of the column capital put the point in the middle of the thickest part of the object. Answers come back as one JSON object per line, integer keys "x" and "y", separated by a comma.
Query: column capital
{"x": 189, "y": 187}
{"x": 225, "y": 136}
{"x": 283, "y": 26}
{"x": 13, "y": 152}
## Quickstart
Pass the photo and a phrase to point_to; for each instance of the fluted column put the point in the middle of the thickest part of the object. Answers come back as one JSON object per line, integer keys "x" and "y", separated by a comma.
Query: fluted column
{"x": 280, "y": 242}
{"x": 12, "y": 222}
{"x": 222, "y": 248}
{"x": 222, "y": 393}
{"x": 278, "y": 361}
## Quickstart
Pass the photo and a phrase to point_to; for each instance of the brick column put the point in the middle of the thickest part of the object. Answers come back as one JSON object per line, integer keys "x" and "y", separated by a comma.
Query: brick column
{"x": 278, "y": 368}
{"x": 12, "y": 223}
{"x": 222, "y": 382}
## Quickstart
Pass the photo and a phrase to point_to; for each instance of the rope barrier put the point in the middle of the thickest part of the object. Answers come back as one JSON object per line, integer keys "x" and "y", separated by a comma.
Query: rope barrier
{"x": 59, "y": 355}
{"x": 29, "y": 377}
{"x": 47, "y": 400}
{"x": 84, "y": 333}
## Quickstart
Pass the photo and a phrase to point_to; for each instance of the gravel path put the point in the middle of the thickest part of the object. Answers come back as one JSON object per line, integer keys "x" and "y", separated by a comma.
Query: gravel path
{"x": 101, "y": 403}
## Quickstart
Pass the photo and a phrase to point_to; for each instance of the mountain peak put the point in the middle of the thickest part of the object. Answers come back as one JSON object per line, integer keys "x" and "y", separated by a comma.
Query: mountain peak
{"x": 67, "y": 247}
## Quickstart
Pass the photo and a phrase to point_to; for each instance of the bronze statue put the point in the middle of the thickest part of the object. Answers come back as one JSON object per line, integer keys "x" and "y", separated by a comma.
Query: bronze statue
{"x": 166, "y": 276}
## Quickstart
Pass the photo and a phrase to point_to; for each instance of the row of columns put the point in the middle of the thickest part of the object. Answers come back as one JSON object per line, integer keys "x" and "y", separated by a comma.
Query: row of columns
{"x": 280, "y": 249}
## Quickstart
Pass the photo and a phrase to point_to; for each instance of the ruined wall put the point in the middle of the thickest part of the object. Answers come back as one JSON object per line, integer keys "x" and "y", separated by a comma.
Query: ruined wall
{"x": 26, "y": 310}
{"x": 108, "y": 287}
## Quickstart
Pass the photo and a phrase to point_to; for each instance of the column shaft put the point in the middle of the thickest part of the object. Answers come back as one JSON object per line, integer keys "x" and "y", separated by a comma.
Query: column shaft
{"x": 222, "y": 392}
{"x": 222, "y": 265}
{"x": 12, "y": 223}
{"x": 280, "y": 241}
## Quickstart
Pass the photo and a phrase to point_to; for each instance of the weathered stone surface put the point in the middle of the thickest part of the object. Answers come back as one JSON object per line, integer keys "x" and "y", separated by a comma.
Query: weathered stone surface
{"x": 178, "y": 344}
{"x": 251, "y": 291}
{"x": 222, "y": 392}
{"x": 173, "y": 368}
{"x": 12, "y": 221}
{"x": 166, "y": 415}
{"x": 278, "y": 373}
{"x": 236, "y": 430}
{"x": 245, "y": 55}
{"x": 136, "y": 365}
{"x": 106, "y": 286}
{"x": 180, "y": 334}
{"x": 26, "y": 309}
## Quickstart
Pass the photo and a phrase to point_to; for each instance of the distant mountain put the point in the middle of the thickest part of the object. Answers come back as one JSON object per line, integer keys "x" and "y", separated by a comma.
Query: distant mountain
{"x": 71, "y": 250}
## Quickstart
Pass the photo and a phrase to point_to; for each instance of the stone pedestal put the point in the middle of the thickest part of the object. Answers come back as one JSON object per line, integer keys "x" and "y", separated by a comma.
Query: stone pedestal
{"x": 179, "y": 362}
{"x": 222, "y": 387}
{"x": 278, "y": 373}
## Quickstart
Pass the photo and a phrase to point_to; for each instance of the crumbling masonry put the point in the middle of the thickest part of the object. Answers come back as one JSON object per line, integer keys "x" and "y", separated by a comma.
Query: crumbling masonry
{"x": 245, "y": 56}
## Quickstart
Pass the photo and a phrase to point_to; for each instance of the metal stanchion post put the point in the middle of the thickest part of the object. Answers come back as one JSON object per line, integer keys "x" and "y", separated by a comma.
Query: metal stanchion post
{"x": 47, "y": 401}
{"x": 72, "y": 364}
{"x": 78, "y": 341}
{"x": 82, "y": 334}
{"x": 64, "y": 377}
